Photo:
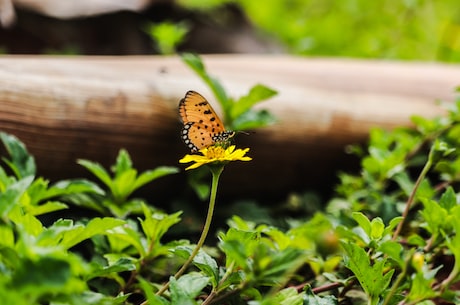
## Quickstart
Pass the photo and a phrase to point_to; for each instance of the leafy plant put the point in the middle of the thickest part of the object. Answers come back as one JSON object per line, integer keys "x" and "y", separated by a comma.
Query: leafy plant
{"x": 125, "y": 181}
{"x": 390, "y": 236}
{"x": 167, "y": 35}
{"x": 326, "y": 28}
{"x": 238, "y": 114}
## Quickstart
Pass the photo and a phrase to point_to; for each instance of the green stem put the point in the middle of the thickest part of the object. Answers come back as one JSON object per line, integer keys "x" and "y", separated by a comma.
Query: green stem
{"x": 452, "y": 276}
{"x": 215, "y": 290}
{"x": 411, "y": 198}
{"x": 396, "y": 285}
{"x": 216, "y": 171}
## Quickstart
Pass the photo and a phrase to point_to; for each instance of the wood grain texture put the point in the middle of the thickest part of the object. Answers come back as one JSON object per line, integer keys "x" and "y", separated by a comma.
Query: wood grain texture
{"x": 66, "y": 108}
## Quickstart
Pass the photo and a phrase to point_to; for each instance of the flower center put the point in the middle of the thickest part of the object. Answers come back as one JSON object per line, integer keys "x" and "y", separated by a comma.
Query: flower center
{"x": 215, "y": 152}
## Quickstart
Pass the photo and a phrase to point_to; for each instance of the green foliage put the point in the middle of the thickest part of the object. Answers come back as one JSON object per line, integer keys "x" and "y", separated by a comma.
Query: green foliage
{"x": 391, "y": 235}
{"x": 38, "y": 262}
{"x": 167, "y": 35}
{"x": 125, "y": 181}
{"x": 372, "y": 278}
{"x": 237, "y": 114}
{"x": 21, "y": 163}
{"x": 420, "y": 30}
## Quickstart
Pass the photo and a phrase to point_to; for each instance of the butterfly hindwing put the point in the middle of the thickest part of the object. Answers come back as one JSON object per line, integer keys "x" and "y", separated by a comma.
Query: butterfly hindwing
{"x": 202, "y": 127}
{"x": 196, "y": 137}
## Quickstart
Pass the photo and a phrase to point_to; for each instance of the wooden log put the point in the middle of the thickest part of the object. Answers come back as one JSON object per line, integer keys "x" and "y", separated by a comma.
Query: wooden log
{"x": 66, "y": 108}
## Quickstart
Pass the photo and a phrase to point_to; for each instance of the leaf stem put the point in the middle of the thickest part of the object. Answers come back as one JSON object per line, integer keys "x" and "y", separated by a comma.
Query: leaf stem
{"x": 216, "y": 171}
{"x": 411, "y": 198}
{"x": 397, "y": 283}
{"x": 215, "y": 290}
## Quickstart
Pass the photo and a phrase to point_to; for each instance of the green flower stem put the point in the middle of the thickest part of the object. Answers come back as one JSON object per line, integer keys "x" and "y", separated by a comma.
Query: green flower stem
{"x": 216, "y": 170}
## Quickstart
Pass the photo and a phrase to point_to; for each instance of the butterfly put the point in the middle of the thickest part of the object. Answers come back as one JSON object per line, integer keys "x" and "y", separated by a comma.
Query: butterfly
{"x": 202, "y": 127}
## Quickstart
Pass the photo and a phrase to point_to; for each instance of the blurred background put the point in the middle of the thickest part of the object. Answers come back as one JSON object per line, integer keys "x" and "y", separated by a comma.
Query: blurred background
{"x": 387, "y": 29}
{"x": 404, "y": 30}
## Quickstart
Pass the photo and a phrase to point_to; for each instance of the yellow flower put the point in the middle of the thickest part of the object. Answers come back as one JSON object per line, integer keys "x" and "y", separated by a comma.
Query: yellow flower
{"x": 216, "y": 154}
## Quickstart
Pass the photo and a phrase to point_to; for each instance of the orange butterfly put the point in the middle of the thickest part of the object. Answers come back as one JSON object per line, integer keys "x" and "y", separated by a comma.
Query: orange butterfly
{"x": 202, "y": 127}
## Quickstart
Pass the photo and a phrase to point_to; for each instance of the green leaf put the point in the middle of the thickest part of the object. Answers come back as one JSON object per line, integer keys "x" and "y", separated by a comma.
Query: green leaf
{"x": 441, "y": 148}
{"x": 155, "y": 225}
{"x": 424, "y": 124}
{"x": 393, "y": 250}
{"x": 185, "y": 289}
{"x": 168, "y": 35}
{"x": 448, "y": 199}
{"x": 12, "y": 195}
{"x": 28, "y": 222}
{"x": 95, "y": 298}
{"x": 151, "y": 175}
{"x": 124, "y": 236}
{"x": 252, "y": 119}
{"x": 235, "y": 278}
{"x": 152, "y": 298}
{"x": 312, "y": 299}
{"x": 196, "y": 64}
{"x": 123, "y": 163}
{"x": 416, "y": 240}
{"x": 203, "y": 261}
{"x": 6, "y": 236}
{"x": 238, "y": 245}
{"x": 393, "y": 223}
{"x": 125, "y": 180}
{"x": 74, "y": 186}
{"x": 453, "y": 242}
{"x": 48, "y": 207}
{"x": 257, "y": 94}
{"x": 208, "y": 266}
{"x": 199, "y": 182}
{"x": 372, "y": 278}
{"x": 202, "y": 189}
{"x": 363, "y": 222}
{"x": 21, "y": 162}
{"x": 377, "y": 228}
{"x": 133, "y": 206}
{"x": 98, "y": 171}
{"x": 288, "y": 296}
{"x": 277, "y": 264}
{"x": 434, "y": 215}
{"x": 422, "y": 286}
{"x": 121, "y": 265}
{"x": 46, "y": 273}
{"x": 404, "y": 182}
{"x": 123, "y": 185}
{"x": 95, "y": 226}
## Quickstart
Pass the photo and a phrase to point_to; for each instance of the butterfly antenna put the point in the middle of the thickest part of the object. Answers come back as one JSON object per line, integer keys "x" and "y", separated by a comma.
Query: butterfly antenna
{"x": 245, "y": 132}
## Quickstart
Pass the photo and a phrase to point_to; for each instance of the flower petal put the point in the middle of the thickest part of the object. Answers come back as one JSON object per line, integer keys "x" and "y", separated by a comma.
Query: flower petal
{"x": 194, "y": 165}
{"x": 217, "y": 154}
{"x": 230, "y": 149}
{"x": 187, "y": 159}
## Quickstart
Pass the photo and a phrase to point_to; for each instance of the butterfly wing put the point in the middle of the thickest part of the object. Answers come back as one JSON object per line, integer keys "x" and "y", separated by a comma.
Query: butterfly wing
{"x": 196, "y": 137}
{"x": 202, "y": 126}
{"x": 194, "y": 108}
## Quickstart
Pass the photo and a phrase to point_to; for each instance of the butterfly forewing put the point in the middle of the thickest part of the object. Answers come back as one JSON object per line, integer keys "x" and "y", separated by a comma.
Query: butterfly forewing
{"x": 196, "y": 109}
{"x": 202, "y": 126}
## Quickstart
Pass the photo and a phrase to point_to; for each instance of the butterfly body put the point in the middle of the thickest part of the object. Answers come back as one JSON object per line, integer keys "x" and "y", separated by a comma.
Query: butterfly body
{"x": 202, "y": 127}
